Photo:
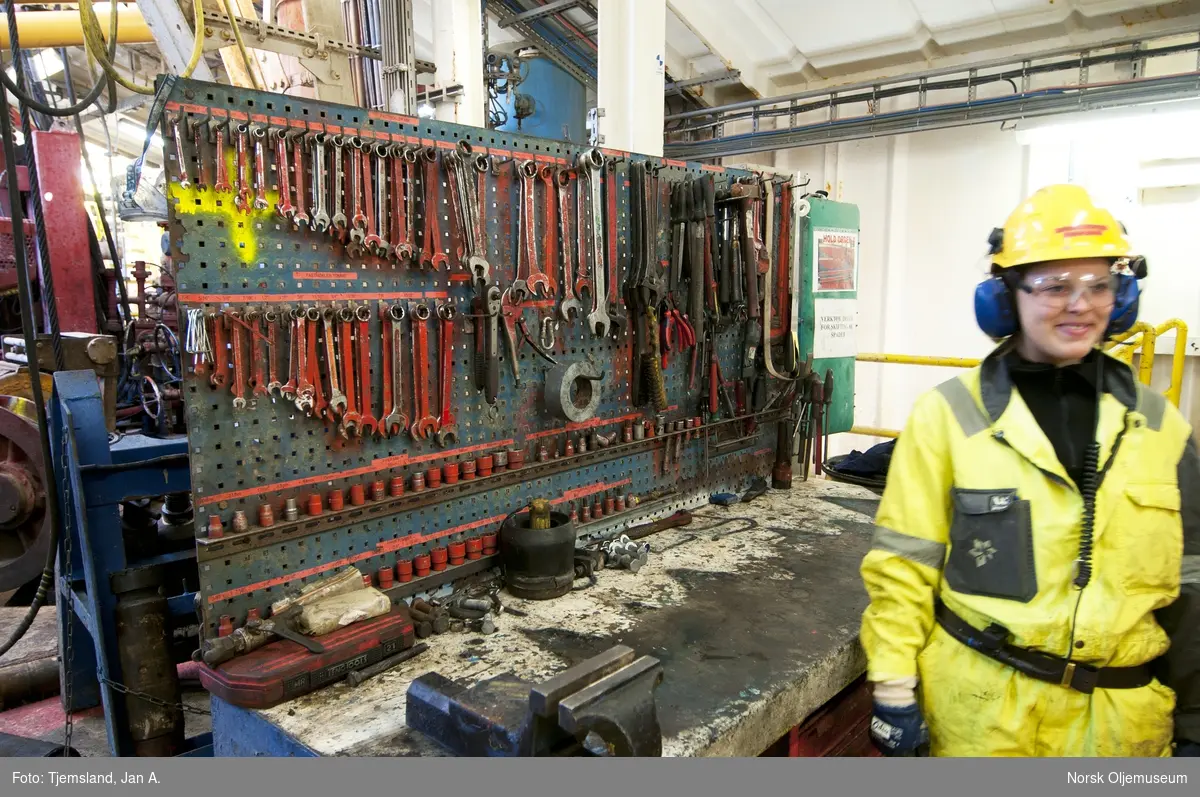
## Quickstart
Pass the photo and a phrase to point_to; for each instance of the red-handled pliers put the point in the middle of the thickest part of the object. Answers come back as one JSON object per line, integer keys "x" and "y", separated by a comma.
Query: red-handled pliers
{"x": 685, "y": 334}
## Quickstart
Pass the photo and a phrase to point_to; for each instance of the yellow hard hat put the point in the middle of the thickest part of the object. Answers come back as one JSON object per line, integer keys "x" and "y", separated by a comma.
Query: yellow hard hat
{"x": 1059, "y": 222}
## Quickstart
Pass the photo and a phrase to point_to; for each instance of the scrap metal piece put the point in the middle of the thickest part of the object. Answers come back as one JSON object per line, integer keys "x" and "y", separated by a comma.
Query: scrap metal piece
{"x": 573, "y": 391}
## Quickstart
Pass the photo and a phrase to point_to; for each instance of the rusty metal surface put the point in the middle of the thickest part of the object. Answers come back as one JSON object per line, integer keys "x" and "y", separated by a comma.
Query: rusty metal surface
{"x": 753, "y": 610}
{"x": 269, "y": 452}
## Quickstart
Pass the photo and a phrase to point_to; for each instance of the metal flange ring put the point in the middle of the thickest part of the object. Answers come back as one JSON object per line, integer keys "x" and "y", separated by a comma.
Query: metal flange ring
{"x": 573, "y": 391}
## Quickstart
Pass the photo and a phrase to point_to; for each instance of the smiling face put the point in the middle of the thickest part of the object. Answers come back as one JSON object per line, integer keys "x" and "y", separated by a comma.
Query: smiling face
{"x": 1064, "y": 307}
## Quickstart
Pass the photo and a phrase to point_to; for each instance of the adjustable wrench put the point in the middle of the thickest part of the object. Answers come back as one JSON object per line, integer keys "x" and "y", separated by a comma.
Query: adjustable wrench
{"x": 381, "y": 150}
{"x": 598, "y": 320}
{"x": 241, "y": 179}
{"x": 300, "y": 217}
{"x": 180, "y": 156}
{"x": 220, "y": 363}
{"x": 351, "y": 418}
{"x": 320, "y": 216}
{"x": 222, "y": 180}
{"x": 239, "y": 372}
{"x": 284, "y": 207}
{"x": 258, "y": 380}
{"x": 425, "y": 424}
{"x": 431, "y": 246}
{"x": 273, "y": 383}
{"x": 570, "y": 306}
{"x": 401, "y": 234}
{"x": 368, "y": 425}
{"x": 358, "y": 219}
{"x": 306, "y": 347}
{"x": 338, "y": 220}
{"x": 447, "y": 432}
{"x": 337, "y": 399}
{"x": 390, "y": 319}
{"x": 372, "y": 242}
{"x": 288, "y": 389}
{"x": 259, "y": 134}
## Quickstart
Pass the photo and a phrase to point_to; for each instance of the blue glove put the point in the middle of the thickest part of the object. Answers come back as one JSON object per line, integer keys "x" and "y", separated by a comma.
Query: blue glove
{"x": 1186, "y": 749}
{"x": 898, "y": 730}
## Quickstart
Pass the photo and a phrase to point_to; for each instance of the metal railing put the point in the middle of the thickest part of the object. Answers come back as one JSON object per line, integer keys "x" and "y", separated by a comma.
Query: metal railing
{"x": 1140, "y": 338}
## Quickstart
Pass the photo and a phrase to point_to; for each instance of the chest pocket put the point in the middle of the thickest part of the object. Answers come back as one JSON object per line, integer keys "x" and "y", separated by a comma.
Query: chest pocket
{"x": 1147, "y": 539}
{"x": 991, "y": 545}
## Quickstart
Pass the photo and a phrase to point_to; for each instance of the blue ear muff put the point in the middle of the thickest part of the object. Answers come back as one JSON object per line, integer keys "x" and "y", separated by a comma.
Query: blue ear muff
{"x": 1125, "y": 307}
{"x": 994, "y": 310}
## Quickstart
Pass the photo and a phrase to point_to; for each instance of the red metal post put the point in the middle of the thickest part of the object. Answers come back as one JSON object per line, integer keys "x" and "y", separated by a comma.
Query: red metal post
{"x": 56, "y": 155}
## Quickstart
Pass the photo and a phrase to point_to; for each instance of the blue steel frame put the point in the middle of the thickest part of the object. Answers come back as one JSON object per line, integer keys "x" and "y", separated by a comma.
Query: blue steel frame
{"x": 93, "y": 476}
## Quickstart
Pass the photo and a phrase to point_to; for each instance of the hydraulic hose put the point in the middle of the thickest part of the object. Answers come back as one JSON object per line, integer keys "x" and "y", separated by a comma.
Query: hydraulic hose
{"x": 237, "y": 37}
{"x": 94, "y": 41}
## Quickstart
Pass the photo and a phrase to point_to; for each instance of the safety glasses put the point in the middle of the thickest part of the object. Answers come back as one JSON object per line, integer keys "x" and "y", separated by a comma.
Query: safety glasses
{"x": 1064, "y": 290}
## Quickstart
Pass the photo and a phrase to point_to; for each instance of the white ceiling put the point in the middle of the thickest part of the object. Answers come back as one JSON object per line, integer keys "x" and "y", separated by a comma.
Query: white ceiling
{"x": 781, "y": 46}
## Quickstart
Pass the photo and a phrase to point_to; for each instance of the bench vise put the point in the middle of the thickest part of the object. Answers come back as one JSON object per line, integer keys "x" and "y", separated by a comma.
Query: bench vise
{"x": 610, "y": 695}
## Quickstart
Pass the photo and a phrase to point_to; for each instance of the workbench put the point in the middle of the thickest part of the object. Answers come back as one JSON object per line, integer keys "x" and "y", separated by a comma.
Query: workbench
{"x": 753, "y": 610}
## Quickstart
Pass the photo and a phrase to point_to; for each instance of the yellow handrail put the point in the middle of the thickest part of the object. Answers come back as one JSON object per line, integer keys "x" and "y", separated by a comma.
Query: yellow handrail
{"x": 915, "y": 359}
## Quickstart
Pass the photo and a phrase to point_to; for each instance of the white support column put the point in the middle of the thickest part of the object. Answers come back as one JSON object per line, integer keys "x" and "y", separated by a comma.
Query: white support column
{"x": 458, "y": 53}
{"x": 631, "y": 75}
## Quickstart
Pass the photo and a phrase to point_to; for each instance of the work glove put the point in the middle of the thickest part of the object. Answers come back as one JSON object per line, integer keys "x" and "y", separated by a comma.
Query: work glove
{"x": 1186, "y": 749}
{"x": 897, "y": 725}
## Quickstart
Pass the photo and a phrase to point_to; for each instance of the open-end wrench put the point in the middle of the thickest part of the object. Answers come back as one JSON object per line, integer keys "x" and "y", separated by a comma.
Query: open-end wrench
{"x": 385, "y": 336}
{"x": 570, "y": 307}
{"x": 320, "y": 216}
{"x": 447, "y": 432}
{"x": 259, "y": 134}
{"x": 536, "y": 282}
{"x": 410, "y": 201}
{"x": 273, "y": 384}
{"x": 221, "y": 185}
{"x": 425, "y": 424}
{"x": 393, "y": 385}
{"x": 481, "y": 270}
{"x": 372, "y": 242}
{"x": 550, "y": 237}
{"x": 181, "y": 156}
{"x": 401, "y": 235}
{"x": 583, "y": 283}
{"x": 320, "y": 407}
{"x": 598, "y": 320}
{"x": 258, "y": 379}
{"x": 199, "y": 137}
{"x": 351, "y": 418}
{"x": 616, "y": 310}
{"x": 306, "y": 348}
{"x": 288, "y": 388}
{"x": 300, "y": 217}
{"x": 220, "y": 359}
{"x": 239, "y": 371}
{"x": 380, "y": 244}
{"x": 337, "y": 399}
{"x": 243, "y": 196}
{"x": 431, "y": 247}
{"x": 338, "y": 221}
{"x": 358, "y": 219}
{"x": 368, "y": 424}
{"x": 284, "y": 207}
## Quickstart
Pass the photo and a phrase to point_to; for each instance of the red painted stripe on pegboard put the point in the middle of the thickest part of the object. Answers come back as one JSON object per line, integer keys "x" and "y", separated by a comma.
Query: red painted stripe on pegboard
{"x": 391, "y": 117}
{"x": 277, "y": 298}
{"x": 591, "y": 489}
{"x": 241, "y": 116}
{"x": 377, "y": 465}
{"x": 383, "y": 547}
{"x": 281, "y": 121}
{"x": 258, "y": 117}
{"x": 677, "y": 164}
{"x": 575, "y": 426}
{"x": 704, "y": 167}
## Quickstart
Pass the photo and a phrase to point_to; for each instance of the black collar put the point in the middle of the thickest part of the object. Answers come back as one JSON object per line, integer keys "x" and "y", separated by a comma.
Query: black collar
{"x": 996, "y": 387}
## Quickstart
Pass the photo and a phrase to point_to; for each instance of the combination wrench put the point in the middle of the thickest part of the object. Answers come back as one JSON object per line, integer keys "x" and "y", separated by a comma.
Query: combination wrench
{"x": 372, "y": 242}
{"x": 306, "y": 390}
{"x": 243, "y": 197}
{"x": 351, "y": 417}
{"x": 401, "y": 236}
{"x": 381, "y": 246}
{"x": 180, "y": 155}
{"x": 220, "y": 357}
{"x": 284, "y": 207}
{"x": 273, "y": 384}
{"x": 431, "y": 251}
{"x": 258, "y": 379}
{"x": 300, "y": 217}
{"x": 425, "y": 424}
{"x": 259, "y": 134}
{"x": 391, "y": 321}
{"x": 239, "y": 371}
{"x": 368, "y": 425}
{"x": 320, "y": 216}
{"x": 338, "y": 220}
{"x": 288, "y": 389}
{"x": 221, "y": 185}
{"x": 358, "y": 219}
{"x": 337, "y": 399}
{"x": 535, "y": 281}
{"x": 598, "y": 320}
{"x": 570, "y": 307}
{"x": 447, "y": 432}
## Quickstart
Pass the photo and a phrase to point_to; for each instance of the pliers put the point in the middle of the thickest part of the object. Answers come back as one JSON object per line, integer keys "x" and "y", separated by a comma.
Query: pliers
{"x": 685, "y": 333}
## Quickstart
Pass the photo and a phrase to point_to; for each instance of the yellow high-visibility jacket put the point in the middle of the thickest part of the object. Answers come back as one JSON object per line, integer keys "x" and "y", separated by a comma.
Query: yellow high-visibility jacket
{"x": 979, "y": 512}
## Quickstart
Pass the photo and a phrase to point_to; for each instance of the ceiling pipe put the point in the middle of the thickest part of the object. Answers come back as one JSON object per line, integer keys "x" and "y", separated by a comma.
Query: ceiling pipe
{"x": 38, "y": 29}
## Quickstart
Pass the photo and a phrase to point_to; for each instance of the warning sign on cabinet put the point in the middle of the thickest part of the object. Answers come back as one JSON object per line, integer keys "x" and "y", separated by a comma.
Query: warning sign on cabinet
{"x": 836, "y": 332}
{"x": 837, "y": 259}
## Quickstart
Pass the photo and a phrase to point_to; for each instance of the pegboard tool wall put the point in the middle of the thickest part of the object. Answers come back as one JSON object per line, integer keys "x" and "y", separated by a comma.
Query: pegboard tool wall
{"x": 243, "y": 260}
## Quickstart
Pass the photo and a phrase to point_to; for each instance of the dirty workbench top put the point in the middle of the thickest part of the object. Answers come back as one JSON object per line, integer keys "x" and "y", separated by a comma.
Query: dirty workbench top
{"x": 753, "y": 610}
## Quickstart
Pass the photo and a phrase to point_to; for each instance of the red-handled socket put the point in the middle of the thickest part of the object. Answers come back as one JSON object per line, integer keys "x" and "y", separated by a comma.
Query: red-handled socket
{"x": 610, "y": 504}
{"x": 489, "y": 544}
{"x": 266, "y": 516}
{"x": 418, "y": 481}
{"x": 379, "y": 490}
{"x": 485, "y": 464}
{"x": 458, "y": 553}
{"x": 366, "y": 579}
{"x": 386, "y": 578}
{"x": 433, "y": 478}
{"x": 597, "y": 509}
{"x": 358, "y": 495}
{"x": 404, "y": 570}
{"x": 516, "y": 458}
{"x": 468, "y": 470}
{"x": 252, "y": 615}
{"x": 336, "y": 500}
{"x": 421, "y": 565}
{"x": 620, "y": 503}
{"x": 450, "y": 473}
{"x": 439, "y": 557}
{"x": 315, "y": 505}
{"x": 396, "y": 487}
{"x": 215, "y": 529}
{"x": 225, "y": 625}
{"x": 474, "y": 548}
{"x": 585, "y": 514}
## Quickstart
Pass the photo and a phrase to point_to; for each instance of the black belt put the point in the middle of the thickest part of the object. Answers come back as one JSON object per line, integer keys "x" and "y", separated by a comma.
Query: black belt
{"x": 993, "y": 642}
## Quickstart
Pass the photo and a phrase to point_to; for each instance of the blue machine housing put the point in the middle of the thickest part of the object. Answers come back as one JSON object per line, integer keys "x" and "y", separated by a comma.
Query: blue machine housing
{"x": 560, "y": 103}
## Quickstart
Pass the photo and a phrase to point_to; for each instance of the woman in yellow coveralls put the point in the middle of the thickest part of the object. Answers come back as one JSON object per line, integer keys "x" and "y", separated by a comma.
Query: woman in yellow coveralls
{"x": 1034, "y": 579}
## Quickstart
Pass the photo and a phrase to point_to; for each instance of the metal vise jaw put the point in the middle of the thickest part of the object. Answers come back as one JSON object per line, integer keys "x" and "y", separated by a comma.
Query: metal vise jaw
{"x": 611, "y": 694}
